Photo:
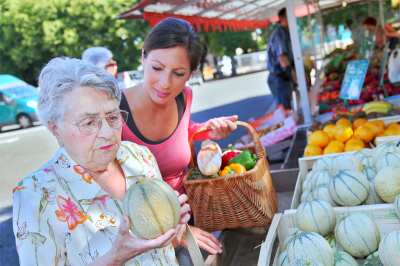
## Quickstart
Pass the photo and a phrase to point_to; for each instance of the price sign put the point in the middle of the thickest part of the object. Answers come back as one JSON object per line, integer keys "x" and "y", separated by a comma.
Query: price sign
{"x": 353, "y": 80}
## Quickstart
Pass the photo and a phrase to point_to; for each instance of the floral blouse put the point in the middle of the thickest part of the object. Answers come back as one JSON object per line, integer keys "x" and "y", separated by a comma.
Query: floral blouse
{"x": 61, "y": 216}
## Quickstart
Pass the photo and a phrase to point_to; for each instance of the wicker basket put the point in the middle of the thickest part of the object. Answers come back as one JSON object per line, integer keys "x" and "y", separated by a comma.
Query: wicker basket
{"x": 233, "y": 201}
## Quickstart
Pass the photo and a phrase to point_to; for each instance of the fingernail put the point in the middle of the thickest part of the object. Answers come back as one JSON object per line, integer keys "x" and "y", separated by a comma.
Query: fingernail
{"x": 220, "y": 245}
{"x": 220, "y": 251}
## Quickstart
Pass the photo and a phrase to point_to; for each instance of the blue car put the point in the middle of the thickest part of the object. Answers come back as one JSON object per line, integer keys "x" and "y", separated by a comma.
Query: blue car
{"x": 18, "y": 102}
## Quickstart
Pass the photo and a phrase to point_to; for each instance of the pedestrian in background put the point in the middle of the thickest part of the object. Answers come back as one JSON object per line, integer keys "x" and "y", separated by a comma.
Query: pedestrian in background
{"x": 102, "y": 57}
{"x": 392, "y": 36}
{"x": 281, "y": 62}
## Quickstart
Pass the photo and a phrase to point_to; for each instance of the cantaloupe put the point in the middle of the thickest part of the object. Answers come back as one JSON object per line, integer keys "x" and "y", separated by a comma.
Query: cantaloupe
{"x": 346, "y": 161}
{"x": 306, "y": 263}
{"x": 387, "y": 183}
{"x": 349, "y": 187}
{"x": 397, "y": 206}
{"x": 370, "y": 172}
{"x": 343, "y": 258}
{"x": 319, "y": 178}
{"x": 389, "y": 249}
{"x": 332, "y": 241}
{"x": 309, "y": 174}
{"x": 364, "y": 152}
{"x": 310, "y": 246}
{"x": 306, "y": 195}
{"x": 389, "y": 159}
{"x": 373, "y": 260}
{"x": 382, "y": 149}
{"x": 316, "y": 215}
{"x": 323, "y": 163}
{"x": 306, "y": 184}
{"x": 321, "y": 192}
{"x": 282, "y": 259}
{"x": 373, "y": 197}
{"x": 286, "y": 242}
{"x": 366, "y": 161}
{"x": 357, "y": 234}
{"x": 152, "y": 207}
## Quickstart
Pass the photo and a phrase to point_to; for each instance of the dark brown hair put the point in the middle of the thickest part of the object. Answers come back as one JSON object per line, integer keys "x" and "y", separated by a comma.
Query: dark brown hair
{"x": 369, "y": 21}
{"x": 282, "y": 13}
{"x": 172, "y": 32}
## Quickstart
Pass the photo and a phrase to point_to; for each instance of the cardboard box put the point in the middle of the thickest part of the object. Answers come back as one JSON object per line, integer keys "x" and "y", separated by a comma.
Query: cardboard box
{"x": 268, "y": 120}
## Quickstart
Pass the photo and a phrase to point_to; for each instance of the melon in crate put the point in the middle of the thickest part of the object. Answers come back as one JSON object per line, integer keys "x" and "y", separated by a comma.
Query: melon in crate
{"x": 332, "y": 241}
{"x": 397, "y": 206}
{"x": 310, "y": 246}
{"x": 389, "y": 249}
{"x": 319, "y": 178}
{"x": 321, "y": 192}
{"x": 382, "y": 149}
{"x": 306, "y": 195}
{"x": 366, "y": 161}
{"x": 316, "y": 215}
{"x": 346, "y": 161}
{"x": 152, "y": 207}
{"x": 349, "y": 187}
{"x": 306, "y": 184}
{"x": 363, "y": 152}
{"x": 282, "y": 259}
{"x": 343, "y": 258}
{"x": 373, "y": 197}
{"x": 286, "y": 241}
{"x": 323, "y": 163}
{"x": 389, "y": 159}
{"x": 305, "y": 263}
{"x": 373, "y": 260}
{"x": 358, "y": 235}
{"x": 370, "y": 172}
{"x": 387, "y": 183}
{"x": 309, "y": 175}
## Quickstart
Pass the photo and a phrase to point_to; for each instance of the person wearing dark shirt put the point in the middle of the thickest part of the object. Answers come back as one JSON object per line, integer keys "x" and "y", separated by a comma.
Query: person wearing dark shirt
{"x": 281, "y": 62}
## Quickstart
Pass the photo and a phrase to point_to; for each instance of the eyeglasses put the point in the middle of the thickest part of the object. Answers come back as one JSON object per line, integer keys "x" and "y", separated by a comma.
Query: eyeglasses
{"x": 91, "y": 124}
{"x": 113, "y": 63}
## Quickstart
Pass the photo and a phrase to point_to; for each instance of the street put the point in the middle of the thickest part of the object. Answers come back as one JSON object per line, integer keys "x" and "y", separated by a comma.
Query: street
{"x": 25, "y": 150}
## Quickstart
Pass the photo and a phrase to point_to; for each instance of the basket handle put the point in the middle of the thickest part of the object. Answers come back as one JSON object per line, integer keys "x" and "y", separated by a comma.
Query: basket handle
{"x": 256, "y": 140}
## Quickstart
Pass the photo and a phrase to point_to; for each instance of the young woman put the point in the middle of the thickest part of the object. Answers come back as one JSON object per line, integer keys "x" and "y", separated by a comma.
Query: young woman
{"x": 160, "y": 109}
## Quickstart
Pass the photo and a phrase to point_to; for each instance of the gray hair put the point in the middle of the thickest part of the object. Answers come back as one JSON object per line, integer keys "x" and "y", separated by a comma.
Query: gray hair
{"x": 60, "y": 77}
{"x": 99, "y": 56}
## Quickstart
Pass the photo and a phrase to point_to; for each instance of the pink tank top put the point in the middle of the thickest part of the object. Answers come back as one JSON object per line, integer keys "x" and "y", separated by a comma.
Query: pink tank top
{"x": 173, "y": 155}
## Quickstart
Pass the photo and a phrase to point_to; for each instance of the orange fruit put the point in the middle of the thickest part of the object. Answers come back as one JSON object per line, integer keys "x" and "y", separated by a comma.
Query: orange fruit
{"x": 375, "y": 128}
{"x": 331, "y": 148}
{"x": 393, "y": 125}
{"x": 359, "y": 122}
{"x": 379, "y": 123}
{"x": 343, "y": 121}
{"x": 320, "y": 138}
{"x": 329, "y": 129}
{"x": 312, "y": 150}
{"x": 337, "y": 143}
{"x": 354, "y": 145}
{"x": 391, "y": 132}
{"x": 342, "y": 133}
{"x": 364, "y": 133}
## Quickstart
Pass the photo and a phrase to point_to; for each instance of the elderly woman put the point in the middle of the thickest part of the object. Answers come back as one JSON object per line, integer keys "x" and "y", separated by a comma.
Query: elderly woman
{"x": 101, "y": 57}
{"x": 69, "y": 211}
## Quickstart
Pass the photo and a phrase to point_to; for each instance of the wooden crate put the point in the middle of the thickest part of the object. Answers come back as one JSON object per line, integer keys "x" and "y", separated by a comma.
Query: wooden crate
{"x": 305, "y": 164}
{"x": 382, "y": 140}
{"x": 284, "y": 224}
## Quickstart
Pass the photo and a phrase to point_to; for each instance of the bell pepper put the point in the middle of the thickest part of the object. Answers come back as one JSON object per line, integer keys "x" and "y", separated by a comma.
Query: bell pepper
{"x": 228, "y": 155}
{"x": 246, "y": 158}
{"x": 234, "y": 168}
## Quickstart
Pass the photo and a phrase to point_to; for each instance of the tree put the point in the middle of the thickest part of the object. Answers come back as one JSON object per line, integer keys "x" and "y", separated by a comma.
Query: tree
{"x": 35, "y": 31}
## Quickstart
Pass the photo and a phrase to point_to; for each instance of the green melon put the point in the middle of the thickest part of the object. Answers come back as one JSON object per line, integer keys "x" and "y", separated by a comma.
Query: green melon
{"x": 373, "y": 197}
{"x": 389, "y": 249}
{"x": 370, "y": 172}
{"x": 306, "y": 184}
{"x": 397, "y": 206}
{"x": 152, "y": 207}
{"x": 306, "y": 195}
{"x": 363, "y": 152}
{"x": 323, "y": 163}
{"x": 358, "y": 235}
{"x": 306, "y": 263}
{"x": 319, "y": 178}
{"x": 309, "y": 175}
{"x": 321, "y": 192}
{"x": 382, "y": 149}
{"x": 286, "y": 242}
{"x": 349, "y": 187}
{"x": 389, "y": 159}
{"x": 282, "y": 259}
{"x": 387, "y": 183}
{"x": 373, "y": 260}
{"x": 366, "y": 161}
{"x": 344, "y": 259}
{"x": 346, "y": 161}
{"x": 332, "y": 241}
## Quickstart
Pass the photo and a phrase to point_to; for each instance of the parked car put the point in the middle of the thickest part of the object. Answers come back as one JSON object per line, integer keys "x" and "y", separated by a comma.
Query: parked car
{"x": 18, "y": 102}
{"x": 129, "y": 79}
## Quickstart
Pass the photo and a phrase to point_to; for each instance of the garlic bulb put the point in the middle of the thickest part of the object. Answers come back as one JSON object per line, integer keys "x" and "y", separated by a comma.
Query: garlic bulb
{"x": 209, "y": 158}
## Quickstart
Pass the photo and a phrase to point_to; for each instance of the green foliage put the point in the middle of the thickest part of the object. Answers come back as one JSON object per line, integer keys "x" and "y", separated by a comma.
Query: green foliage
{"x": 35, "y": 31}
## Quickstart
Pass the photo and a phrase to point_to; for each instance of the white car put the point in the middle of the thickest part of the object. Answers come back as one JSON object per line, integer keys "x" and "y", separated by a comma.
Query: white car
{"x": 129, "y": 79}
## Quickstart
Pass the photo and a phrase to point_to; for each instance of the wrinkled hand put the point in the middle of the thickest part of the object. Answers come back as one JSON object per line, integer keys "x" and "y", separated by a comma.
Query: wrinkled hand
{"x": 204, "y": 240}
{"x": 185, "y": 217}
{"x": 222, "y": 127}
{"x": 126, "y": 247}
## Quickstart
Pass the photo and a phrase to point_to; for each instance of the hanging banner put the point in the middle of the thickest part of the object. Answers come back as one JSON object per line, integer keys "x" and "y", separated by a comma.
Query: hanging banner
{"x": 353, "y": 80}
